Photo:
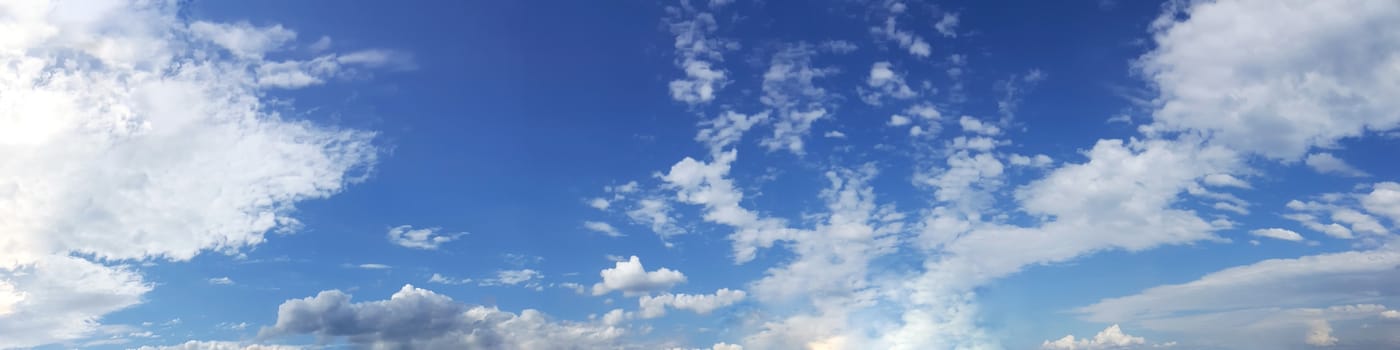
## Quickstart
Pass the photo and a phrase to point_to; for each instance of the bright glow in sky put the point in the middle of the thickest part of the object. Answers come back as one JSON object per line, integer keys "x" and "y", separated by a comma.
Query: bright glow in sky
{"x": 713, "y": 174}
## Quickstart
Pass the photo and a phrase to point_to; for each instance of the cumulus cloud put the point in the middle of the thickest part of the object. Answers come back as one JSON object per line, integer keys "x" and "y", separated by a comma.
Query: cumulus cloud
{"x": 440, "y": 279}
{"x": 789, "y": 88}
{"x": 220, "y": 345}
{"x": 655, "y": 306}
{"x": 1276, "y": 77}
{"x": 145, "y": 140}
{"x": 1110, "y": 338}
{"x": 948, "y": 25}
{"x": 884, "y": 81}
{"x": 1326, "y": 163}
{"x": 423, "y": 238}
{"x": 1277, "y": 233}
{"x": 421, "y": 319}
{"x": 697, "y": 51}
{"x": 915, "y": 44}
{"x": 631, "y": 278}
{"x": 727, "y": 128}
{"x": 1384, "y": 200}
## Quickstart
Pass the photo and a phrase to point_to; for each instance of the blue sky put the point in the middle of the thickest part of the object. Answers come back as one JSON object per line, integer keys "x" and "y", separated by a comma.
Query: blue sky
{"x": 699, "y": 175}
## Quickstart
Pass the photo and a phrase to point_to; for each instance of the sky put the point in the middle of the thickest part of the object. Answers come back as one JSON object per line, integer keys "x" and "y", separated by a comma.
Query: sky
{"x": 721, "y": 174}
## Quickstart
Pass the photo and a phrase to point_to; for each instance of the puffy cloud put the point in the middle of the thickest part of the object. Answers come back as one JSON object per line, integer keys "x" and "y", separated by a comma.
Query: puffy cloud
{"x": 220, "y": 345}
{"x": 1277, "y": 233}
{"x": 707, "y": 184}
{"x": 128, "y": 134}
{"x": 885, "y": 82}
{"x": 655, "y": 306}
{"x": 1224, "y": 180}
{"x": 424, "y": 238}
{"x": 420, "y": 319}
{"x": 599, "y": 203}
{"x": 1110, "y": 338}
{"x": 1320, "y": 334}
{"x": 898, "y": 120}
{"x": 631, "y": 278}
{"x": 1326, "y": 163}
{"x": 972, "y": 125}
{"x": 656, "y": 213}
{"x": 789, "y": 89}
{"x": 948, "y": 25}
{"x": 726, "y": 129}
{"x": 1038, "y": 161}
{"x": 243, "y": 39}
{"x": 904, "y": 38}
{"x": 602, "y": 227}
{"x": 1384, "y": 200}
{"x": 697, "y": 51}
{"x": 1276, "y": 77}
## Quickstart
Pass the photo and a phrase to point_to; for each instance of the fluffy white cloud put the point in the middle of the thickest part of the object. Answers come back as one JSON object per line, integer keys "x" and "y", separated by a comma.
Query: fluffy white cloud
{"x": 1277, "y": 233}
{"x": 243, "y": 39}
{"x": 602, "y": 227}
{"x": 898, "y": 120}
{"x": 515, "y": 277}
{"x": 904, "y": 38}
{"x": 789, "y": 88}
{"x": 972, "y": 125}
{"x": 1384, "y": 200}
{"x": 1225, "y": 180}
{"x": 884, "y": 81}
{"x": 423, "y": 238}
{"x": 127, "y": 133}
{"x": 1326, "y": 163}
{"x": 1110, "y": 338}
{"x": 655, "y": 306}
{"x": 1320, "y": 334}
{"x": 631, "y": 278}
{"x": 707, "y": 184}
{"x": 1276, "y": 77}
{"x": 220, "y": 345}
{"x": 696, "y": 51}
{"x": 420, "y": 319}
{"x": 727, "y": 128}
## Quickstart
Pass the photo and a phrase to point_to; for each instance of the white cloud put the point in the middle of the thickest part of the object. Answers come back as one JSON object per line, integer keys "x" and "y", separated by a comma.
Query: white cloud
{"x": 242, "y": 39}
{"x": 652, "y": 307}
{"x": 905, "y": 39}
{"x": 322, "y": 44}
{"x": 1225, "y": 180}
{"x": 221, "y": 281}
{"x": 834, "y": 134}
{"x": 707, "y": 184}
{"x": 1276, "y": 77}
{"x": 972, "y": 125}
{"x": 599, "y": 203}
{"x": 603, "y": 228}
{"x": 1277, "y": 233}
{"x": 140, "y": 141}
{"x": 727, "y": 128}
{"x": 424, "y": 238}
{"x": 884, "y": 81}
{"x": 1384, "y": 200}
{"x": 898, "y": 120}
{"x": 420, "y": 319}
{"x": 1320, "y": 334}
{"x": 1327, "y": 164}
{"x": 515, "y": 277}
{"x": 376, "y": 58}
{"x": 656, "y": 213}
{"x": 789, "y": 88}
{"x": 1265, "y": 305}
{"x": 440, "y": 279}
{"x": 1037, "y": 161}
{"x": 696, "y": 52}
{"x": 631, "y": 278}
{"x": 374, "y": 266}
{"x": 948, "y": 25}
{"x": 220, "y": 345}
{"x": 1110, "y": 338}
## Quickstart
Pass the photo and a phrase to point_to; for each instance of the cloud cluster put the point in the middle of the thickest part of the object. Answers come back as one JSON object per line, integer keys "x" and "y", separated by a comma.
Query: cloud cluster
{"x": 421, "y": 319}
{"x": 631, "y": 278}
{"x": 130, "y": 133}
